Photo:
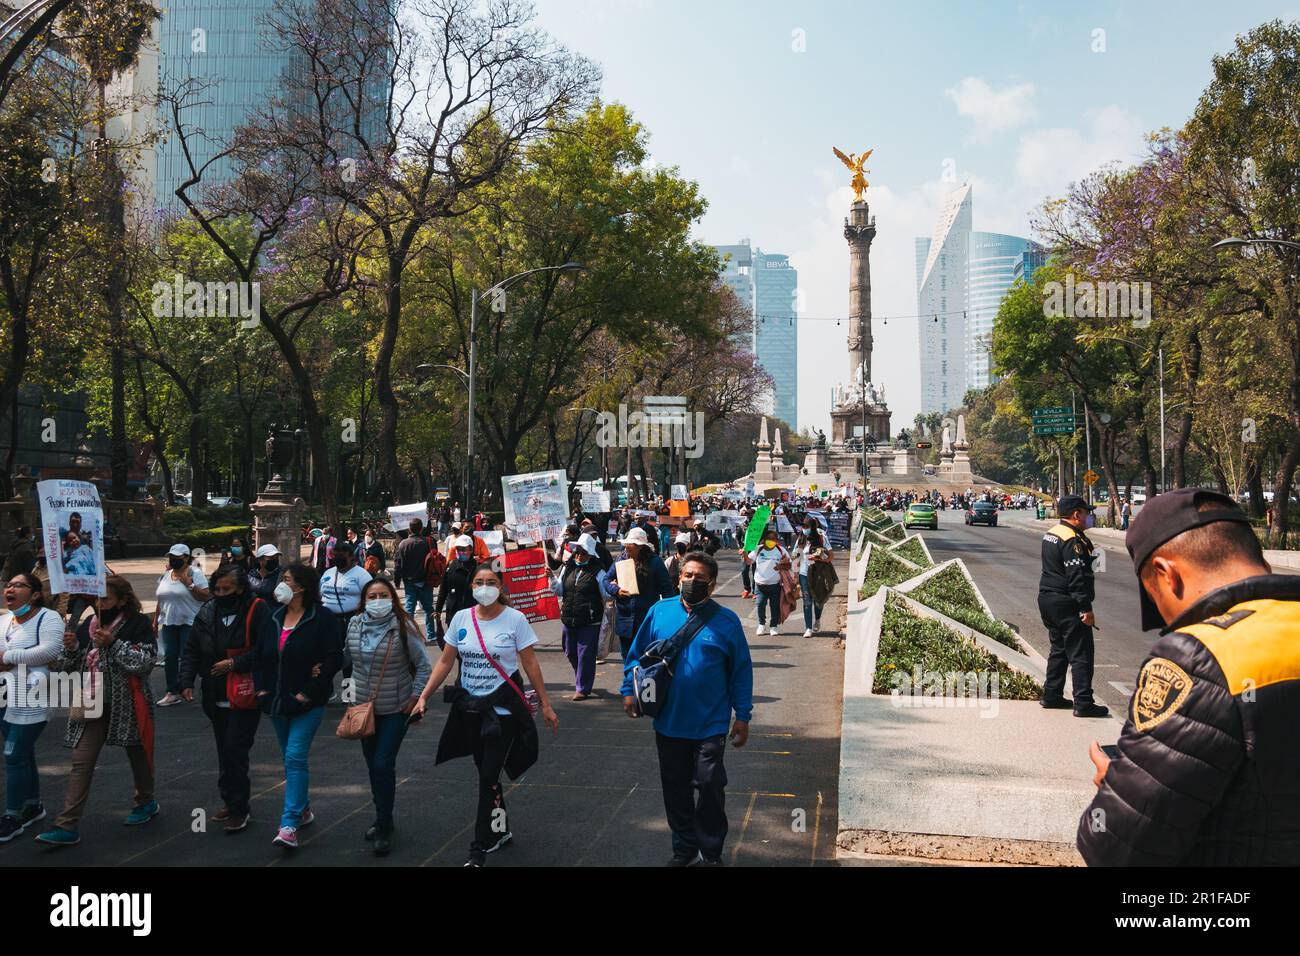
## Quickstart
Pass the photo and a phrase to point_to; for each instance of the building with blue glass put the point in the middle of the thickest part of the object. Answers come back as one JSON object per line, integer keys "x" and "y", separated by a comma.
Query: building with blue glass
{"x": 993, "y": 261}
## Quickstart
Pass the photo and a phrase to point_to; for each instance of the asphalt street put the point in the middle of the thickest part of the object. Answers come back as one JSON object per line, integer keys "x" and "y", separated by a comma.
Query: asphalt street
{"x": 593, "y": 798}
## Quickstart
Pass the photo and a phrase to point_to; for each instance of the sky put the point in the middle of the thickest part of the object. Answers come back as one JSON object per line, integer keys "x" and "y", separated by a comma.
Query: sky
{"x": 747, "y": 97}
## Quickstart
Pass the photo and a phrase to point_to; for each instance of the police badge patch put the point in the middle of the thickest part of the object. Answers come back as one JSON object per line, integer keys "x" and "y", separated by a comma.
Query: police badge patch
{"x": 1162, "y": 687}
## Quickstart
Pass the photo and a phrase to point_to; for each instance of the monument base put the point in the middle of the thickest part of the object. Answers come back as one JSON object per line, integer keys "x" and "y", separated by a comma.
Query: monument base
{"x": 277, "y": 520}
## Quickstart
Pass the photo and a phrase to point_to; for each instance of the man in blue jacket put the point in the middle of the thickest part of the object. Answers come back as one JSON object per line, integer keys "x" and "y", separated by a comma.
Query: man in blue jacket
{"x": 713, "y": 676}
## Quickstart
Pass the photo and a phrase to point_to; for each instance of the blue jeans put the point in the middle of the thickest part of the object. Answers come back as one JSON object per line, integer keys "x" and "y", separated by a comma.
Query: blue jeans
{"x": 22, "y": 780}
{"x": 421, "y": 594}
{"x": 295, "y": 735}
{"x": 174, "y": 637}
{"x": 809, "y": 613}
{"x": 380, "y": 752}
{"x": 769, "y": 594}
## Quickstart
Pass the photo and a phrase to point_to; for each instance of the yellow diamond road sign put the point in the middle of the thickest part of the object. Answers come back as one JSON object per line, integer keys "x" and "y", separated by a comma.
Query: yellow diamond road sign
{"x": 1091, "y": 476}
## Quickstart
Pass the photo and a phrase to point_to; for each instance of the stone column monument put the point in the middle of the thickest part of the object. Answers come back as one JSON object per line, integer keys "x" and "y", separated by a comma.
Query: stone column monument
{"x": 960, "y": 453}
{"x": 278, "y": 511}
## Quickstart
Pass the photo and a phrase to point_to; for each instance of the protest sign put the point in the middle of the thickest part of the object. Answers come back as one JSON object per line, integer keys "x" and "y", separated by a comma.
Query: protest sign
{"x": 679, "y": 509}
{"x": 757, "y": 525}
{"x": 529, "y": 584}
{"x": 72, "y": 523}
{"x": 679, "y": 493}
{"x": 536, "y": 505}
{"x": 400, "y": 515}
{"x": 495, "y": 541}
{"x": 838, "y": 533}
{"x": 595, "y": 502}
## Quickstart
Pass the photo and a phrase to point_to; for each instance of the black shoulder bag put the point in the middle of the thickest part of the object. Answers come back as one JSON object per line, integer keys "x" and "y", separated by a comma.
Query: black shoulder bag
{"x": 652, "y": 675}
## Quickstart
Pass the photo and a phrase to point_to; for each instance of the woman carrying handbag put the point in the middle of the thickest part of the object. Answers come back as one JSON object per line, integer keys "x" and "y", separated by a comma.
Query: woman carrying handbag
{"x": 385, "y": 652}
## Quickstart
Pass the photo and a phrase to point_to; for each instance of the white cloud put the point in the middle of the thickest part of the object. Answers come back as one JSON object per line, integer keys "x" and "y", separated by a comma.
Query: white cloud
{"x": 1054, "y": 158}
{"x": 992, "y": 110}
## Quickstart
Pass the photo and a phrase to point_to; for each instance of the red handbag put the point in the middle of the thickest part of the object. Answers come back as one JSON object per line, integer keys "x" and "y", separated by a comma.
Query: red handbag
{"x": 239, "y": 686}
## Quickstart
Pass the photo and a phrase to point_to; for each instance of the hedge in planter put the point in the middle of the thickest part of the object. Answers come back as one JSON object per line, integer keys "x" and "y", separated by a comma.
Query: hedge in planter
{"x": 948, "y": 592}
{"x": 882, "y": 569}
{"x": 909, "y": 643}
{"x": 913, "y": 551}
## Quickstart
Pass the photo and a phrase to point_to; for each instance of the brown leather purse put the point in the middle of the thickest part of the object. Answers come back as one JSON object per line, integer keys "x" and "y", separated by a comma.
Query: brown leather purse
{"x": 359, "y": 719}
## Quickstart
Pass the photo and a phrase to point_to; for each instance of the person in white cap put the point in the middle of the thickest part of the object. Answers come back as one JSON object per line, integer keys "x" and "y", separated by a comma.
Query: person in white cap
{"x": 681, "y": 545}
{"x": 181, "y": 592}
{"x": 653, "y": 583}
{"x": 580, "y": 586}
{"x": 265, "y": 573}
{"x": 457, "y": 590}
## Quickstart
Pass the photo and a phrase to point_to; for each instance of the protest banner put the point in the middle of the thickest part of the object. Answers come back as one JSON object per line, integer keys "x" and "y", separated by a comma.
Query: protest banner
{"x": 838, "y": 533}
{"x": 757, "y": 525}
{"x": 529, "y": 584}
{"x": 595, "y": 502}
{"x": 399, "y": 516}
{"x": 679, "y": 493}
{"x": 679, "y": 509}
{"x": 536, "y": 505}
{"x": 72, "y": 524}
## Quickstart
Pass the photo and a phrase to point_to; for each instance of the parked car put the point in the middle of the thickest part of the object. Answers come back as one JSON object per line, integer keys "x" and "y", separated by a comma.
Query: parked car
{"x": 982, "y": 512}
{"x": 221, "y": 501}
{"x": 923, "y": 515}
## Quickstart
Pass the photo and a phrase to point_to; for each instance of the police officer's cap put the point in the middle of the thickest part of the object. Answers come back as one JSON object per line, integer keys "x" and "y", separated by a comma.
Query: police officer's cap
{"x": 1164, "y": 518}
{"x": 1072, "y": 503}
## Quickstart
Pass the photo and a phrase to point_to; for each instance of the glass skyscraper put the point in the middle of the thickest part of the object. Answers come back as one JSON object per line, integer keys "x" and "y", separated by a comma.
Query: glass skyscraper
{"x": 993, "y": 259}
{"x": 769, "y": 286}
{"x": 941, "y": 303}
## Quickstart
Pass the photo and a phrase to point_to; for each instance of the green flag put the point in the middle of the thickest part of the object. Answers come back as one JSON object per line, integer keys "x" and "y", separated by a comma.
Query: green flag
{"x": 757, "y": 525}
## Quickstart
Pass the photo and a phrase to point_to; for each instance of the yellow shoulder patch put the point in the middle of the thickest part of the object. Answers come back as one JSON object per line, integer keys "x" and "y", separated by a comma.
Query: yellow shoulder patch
{"x": 1162, "y": 688}
{"x": 1254, "y": 643}
{"x": 1063, "y": 531}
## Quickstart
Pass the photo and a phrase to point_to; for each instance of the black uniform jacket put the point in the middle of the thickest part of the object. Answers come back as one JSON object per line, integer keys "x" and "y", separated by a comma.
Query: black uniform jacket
{"x": 1067, "y": 567}
{"x": 1209, "y": 766}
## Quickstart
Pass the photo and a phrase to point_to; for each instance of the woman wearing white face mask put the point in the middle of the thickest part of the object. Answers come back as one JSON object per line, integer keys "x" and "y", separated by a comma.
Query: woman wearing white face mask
{"x": 383, "y": 649}
{"x": 490, "y": 717}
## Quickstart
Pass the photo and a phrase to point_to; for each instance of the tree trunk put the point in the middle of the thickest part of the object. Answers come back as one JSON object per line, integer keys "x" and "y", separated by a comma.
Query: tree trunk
{"x": 1255, "y": 483}
{"x": 1192, "y": 366}
{"x": 198, "y": 469}
{"x": 1282, "y": 490}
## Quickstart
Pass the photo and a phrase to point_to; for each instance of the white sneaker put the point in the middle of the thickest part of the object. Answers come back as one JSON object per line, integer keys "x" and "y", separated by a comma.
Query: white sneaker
{"x": 170, "y": 699}
{"x": 759, "y": 632}
{"x": 771, "y": 629}
{"x": 808, "y": 632}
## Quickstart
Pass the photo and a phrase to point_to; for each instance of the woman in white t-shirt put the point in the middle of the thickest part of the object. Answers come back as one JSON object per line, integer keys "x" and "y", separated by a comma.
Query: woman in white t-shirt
{"x": 182, "y": 590}
{"x": 493, "y": 642}
{"x": 31, "y": 638}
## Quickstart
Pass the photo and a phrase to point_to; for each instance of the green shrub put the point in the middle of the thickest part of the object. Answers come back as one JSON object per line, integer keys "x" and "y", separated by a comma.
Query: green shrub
{"x": 1000, "y": 631}
{"x": 949, "y": 586}
{"x": 908, "y": 642}
{"x": 883, "y": 569}
{"x": 914, "y": 552}
{"x": 895, "y": 532}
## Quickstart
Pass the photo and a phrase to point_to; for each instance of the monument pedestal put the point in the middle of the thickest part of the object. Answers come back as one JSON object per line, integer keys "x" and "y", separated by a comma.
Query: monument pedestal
{"x": 277, "y": 520}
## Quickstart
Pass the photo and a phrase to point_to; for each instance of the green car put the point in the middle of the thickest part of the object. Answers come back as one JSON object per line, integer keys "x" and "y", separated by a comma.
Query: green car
{"x": 921, "y": 515}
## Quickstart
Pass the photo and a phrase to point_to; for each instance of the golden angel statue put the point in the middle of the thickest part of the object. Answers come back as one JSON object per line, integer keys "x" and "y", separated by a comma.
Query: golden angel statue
{"x": 854, "y": 161}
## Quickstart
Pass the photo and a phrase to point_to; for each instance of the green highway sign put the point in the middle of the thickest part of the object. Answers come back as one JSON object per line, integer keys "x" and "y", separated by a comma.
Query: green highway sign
{"x": 1057, "y": 410}
{"x": 1054, "y": 429}
{"x": 1055, "y": 420}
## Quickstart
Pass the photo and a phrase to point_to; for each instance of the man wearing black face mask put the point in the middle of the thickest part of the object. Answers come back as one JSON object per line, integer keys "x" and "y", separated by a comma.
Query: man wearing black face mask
{"x": 1065, "y": 595}
{"x": 714, "y": 677}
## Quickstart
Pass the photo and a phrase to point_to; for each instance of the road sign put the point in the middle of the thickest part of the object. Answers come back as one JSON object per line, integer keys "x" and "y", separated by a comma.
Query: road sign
{"x": 1054, "y": 429}
{"x": 1055, "y": 420}
{"x": 1055, "y": 410}
{"x": 1091, "y": 476}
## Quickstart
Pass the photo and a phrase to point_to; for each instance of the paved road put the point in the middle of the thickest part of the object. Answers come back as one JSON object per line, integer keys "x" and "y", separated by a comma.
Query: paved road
{"x": 592, "y": 799}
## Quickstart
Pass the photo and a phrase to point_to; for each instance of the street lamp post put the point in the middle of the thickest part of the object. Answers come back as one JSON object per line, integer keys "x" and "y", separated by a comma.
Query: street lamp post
{"x": 464, "y": 380}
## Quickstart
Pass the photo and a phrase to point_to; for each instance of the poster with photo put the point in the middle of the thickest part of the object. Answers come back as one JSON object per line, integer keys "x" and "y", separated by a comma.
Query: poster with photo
{"x": 72, "y": 522}
{"x": 536, "y": 505}
{"x": 495, "y": 541}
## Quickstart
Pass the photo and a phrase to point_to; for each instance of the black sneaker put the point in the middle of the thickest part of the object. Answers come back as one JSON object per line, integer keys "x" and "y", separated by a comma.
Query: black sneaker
{"x": 32, "y": 813}
{"x": 708, "y": 861}
{"x": 1059, "y": 703}
{"x": 476, "y": 858}
{"x": 372, "y": 832}
{"x": 10, "y": 827}
{"x": 384, "y": 841}
{"x": 684, "y": 859}
{"x": 1091, "y": 710}
{"x": 505, "y": 838}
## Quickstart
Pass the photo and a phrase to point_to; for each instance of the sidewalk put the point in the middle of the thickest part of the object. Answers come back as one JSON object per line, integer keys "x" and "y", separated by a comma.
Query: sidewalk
{"x": 1005, "y": 784}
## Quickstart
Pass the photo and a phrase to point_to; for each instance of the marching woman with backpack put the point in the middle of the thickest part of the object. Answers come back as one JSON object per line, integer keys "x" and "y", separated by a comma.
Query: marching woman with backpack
{"x": 219, "y": 654}
{"x": 386, "y": 656}
{"x": 114, "y": 651}
{"x": 490, "y": 717}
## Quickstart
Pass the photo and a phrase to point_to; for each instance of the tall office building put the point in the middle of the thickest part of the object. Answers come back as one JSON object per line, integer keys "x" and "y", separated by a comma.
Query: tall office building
{"x": 993, "y": 259}
{"x": 941, "y": 303}
{"x": 769, "y": 287}
{"x": 231, "y": 52}
{"x": 962, "y": 277}
{"x": 1030, "y": 261}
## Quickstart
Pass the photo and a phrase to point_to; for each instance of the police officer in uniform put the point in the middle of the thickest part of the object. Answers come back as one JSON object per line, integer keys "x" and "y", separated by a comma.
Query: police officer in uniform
{"x": 1065, "y": 594}
{"x": 1208, "y": 765}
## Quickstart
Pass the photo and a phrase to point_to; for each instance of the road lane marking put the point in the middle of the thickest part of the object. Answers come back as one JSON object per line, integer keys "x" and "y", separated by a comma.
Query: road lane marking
{"x": 749, "y": 812}
{"x": 817, "y": 826}
{"x": 1125, "y": 689}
